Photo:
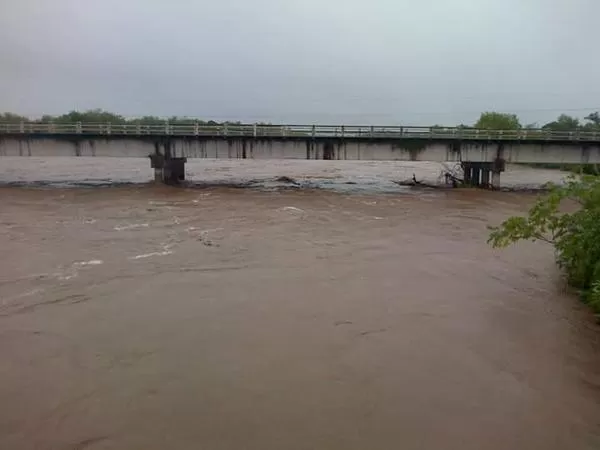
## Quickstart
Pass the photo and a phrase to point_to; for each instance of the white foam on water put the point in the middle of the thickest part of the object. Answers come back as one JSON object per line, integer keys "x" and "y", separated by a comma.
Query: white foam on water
{"x": 131, "y": 226}
{"x": 73, "y": 271}
{"x": 30, "y": 293}
{"x": 210, "y": 230}
{"x": 93, "y": 262}
{"x": 149, "y": 255}
{"x": 292, "y": 209}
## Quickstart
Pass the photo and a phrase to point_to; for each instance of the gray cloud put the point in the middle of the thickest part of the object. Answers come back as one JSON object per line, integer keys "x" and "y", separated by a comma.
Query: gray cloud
{"x": 339, "y": 61}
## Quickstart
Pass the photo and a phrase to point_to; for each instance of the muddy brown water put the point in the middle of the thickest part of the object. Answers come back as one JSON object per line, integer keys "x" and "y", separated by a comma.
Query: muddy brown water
{"x": 144, "y": 317}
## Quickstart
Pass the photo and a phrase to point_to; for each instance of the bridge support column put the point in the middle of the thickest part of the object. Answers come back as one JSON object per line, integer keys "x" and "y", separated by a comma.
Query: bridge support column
{"x": 498, "y": 166}
{"x": 174, "y": 170}
{"x": 467, "y": 173}
{"x": 157, "y": 162}
{"x": 496, "y": 179}
{"x": 477, "y": 174}
{"x": 168, "y": 170}
{"x": 485, "y": 177}
{"x": 472, "y": 173}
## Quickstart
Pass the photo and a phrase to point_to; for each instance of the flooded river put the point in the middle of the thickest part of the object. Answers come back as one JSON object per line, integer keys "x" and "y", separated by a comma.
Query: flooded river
{"x": 359, "y": 316}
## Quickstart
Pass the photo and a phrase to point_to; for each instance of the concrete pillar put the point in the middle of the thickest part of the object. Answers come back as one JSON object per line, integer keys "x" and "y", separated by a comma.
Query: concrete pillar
{"x": 485, "y": 178}
{"x": 475, "y": 175}
{"x": 495, "y": 179}
{"x": 157, "y": 162}
{"x": 467, "y": 173}
{"x": 174, "y": 170}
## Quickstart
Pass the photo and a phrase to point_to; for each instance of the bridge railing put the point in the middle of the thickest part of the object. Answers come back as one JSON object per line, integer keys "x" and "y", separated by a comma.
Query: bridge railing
{"x": 271, "y": 131}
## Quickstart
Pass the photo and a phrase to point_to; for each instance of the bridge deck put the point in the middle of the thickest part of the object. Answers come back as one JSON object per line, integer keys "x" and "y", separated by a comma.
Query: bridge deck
{"x": 34, "y": 129}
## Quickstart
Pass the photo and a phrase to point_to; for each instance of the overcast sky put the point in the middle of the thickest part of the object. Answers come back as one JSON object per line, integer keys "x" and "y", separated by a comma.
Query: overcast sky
{"x": 304, "y": 61}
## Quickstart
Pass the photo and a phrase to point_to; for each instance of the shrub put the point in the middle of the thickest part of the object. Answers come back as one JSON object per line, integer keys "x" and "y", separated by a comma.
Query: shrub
{"x": 575, "y": 235}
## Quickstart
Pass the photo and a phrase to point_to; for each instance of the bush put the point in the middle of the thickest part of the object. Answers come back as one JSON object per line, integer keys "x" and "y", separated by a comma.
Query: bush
{"x": 574, "y": 235}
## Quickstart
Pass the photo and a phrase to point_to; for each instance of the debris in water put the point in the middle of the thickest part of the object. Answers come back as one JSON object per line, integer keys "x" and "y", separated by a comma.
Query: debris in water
{"x": 285, "y": 179}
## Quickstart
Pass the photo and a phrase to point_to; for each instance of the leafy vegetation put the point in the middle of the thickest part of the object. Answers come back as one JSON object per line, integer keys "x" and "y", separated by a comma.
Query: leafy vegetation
{"x": 498, "y": 121}
{"x": 575, "y": 235}
{"x": 489, "y": 120}
{"x": 564, "y": 122}
{"x": 101, "y": 116}
{"x": 587, "y": 169}
{"x": 503, "y": 121}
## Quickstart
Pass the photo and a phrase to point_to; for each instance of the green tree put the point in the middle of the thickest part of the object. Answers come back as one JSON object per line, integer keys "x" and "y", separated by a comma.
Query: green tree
{"x": 593, "y": 120}
{"x": 563, "y": 123}
{"x": 498, "y": 121}
{"x": 12, "y": 118}
{"x": 574, "y": 235}
{"x": 90, "y": 116}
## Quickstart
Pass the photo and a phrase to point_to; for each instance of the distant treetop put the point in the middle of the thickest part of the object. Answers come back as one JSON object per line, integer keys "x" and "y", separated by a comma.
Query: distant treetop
{"x": 489, "y": 120}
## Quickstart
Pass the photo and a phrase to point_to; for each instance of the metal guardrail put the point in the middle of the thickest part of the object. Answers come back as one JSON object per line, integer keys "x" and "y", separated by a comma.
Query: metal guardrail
{"x": 272, "y": 131}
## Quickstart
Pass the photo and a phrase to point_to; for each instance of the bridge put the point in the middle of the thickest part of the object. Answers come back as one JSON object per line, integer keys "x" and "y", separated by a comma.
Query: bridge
{"x": 482, "y": 153}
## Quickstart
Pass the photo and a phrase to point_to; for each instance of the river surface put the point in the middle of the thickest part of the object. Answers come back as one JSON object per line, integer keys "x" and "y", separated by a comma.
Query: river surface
{"x": 359, "y": 316}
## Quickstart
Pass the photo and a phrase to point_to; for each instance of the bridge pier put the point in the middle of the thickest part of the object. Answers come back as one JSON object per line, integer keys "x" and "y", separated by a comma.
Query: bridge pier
{"x": 496, "y": 179}
{"x": 477, "y": 174}
{"x": 174, "y": 170}
{"x": 168, "y": 170}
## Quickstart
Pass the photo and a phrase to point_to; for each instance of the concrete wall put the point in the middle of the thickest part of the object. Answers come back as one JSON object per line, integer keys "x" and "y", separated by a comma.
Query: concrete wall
{"x": 271, "y": 149}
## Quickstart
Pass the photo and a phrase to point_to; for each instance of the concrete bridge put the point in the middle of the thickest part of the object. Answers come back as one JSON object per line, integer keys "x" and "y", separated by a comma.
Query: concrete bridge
{"x": 482, "y": 153}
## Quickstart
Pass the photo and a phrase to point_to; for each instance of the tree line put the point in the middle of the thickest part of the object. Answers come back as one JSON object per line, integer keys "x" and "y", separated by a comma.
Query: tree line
{"x": 102, "y": 116}
{"x": 489, "y": 120}
{"x": 503, "y": 121}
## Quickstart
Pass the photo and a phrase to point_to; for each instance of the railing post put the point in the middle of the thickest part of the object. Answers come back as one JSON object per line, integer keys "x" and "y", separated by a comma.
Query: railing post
{"x": 78, "y": 128}
{"x": 22, "y": 127}
{"x": 166, "y": 127}
{"x": 196, "y": 128}
{"x": 372, "y": 131}
{"x": 343, "y": 131}
{"x": 225, "y": 129}
{"x": 108, "y": 128}
{"x": 254, "y": 130}
{"x": 282, "y": 130}
{"x": 314, "y": 131}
